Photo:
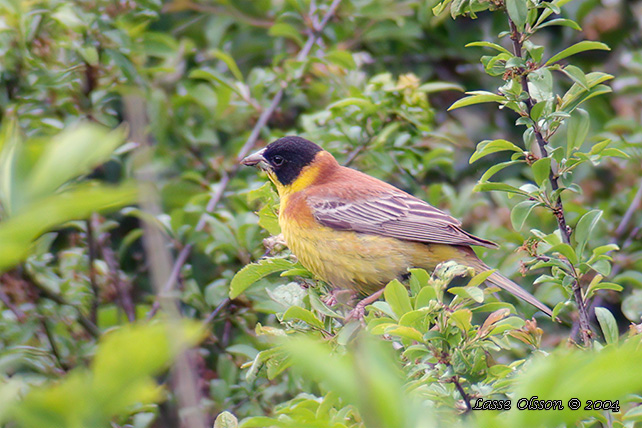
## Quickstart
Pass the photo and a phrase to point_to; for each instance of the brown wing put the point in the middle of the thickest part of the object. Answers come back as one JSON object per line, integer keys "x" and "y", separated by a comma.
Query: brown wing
{"x": 395, "y": 214}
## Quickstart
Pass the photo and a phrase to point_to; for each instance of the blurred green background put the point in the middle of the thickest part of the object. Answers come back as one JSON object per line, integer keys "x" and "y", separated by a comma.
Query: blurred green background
{"x": 124, "y": 216}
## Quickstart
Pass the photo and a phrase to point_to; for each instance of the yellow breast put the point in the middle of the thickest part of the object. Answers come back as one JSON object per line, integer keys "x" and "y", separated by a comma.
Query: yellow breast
{"x": 351, "y": 260}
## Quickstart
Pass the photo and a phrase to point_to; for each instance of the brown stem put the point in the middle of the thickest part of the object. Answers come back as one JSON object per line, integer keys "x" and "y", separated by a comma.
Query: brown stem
{"x": 20, "y": 315}
{"x": 91, "y": 249}
{"x": 585, "y": 328}
{"x": 463, "y": 394}
{"x": 635, "y": 204}
{"x": 265, "y": 116}
{"x": 124, "y": 296}
{"x": 216, "y": 311}
{"x": 85, "y": 322}
{"x": 52, "y": 343}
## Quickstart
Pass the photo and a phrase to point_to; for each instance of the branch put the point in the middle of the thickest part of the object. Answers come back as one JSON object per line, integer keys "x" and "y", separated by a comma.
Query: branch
{"x": 313, "y": 36}
{"x": 216, "y": 311}
{"x": 20, "y": 315}
{"x": 52, "y": 343}
{"x": 463, "y": 394}
{"x": 91, "y": 249}
{"x": 123, "y": 290}
{"x": 85, "y": 322}
{"x": 635, "y": 203}
{"x": 585, "y": 328}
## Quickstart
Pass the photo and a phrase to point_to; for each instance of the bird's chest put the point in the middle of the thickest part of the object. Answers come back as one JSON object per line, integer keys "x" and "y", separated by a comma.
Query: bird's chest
{"x": 346, "y": 259}
{"x": 305, "y": 237}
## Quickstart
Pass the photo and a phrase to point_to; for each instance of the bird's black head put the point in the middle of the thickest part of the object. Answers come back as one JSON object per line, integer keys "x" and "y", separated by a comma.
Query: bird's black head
{"x": 284, "y": 158}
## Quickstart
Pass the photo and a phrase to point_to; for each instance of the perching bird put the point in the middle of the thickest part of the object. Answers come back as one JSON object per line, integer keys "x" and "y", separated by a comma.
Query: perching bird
{"x": 357, "y": 232}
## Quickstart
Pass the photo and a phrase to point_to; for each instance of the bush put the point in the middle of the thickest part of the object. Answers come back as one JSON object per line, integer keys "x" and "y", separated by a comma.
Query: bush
{"x": 127, "y": 224}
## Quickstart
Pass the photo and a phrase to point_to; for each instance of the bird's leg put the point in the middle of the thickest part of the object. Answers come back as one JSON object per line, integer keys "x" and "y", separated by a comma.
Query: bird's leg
{"x": 336, "y": 295}
{"x": 359, "y": 310}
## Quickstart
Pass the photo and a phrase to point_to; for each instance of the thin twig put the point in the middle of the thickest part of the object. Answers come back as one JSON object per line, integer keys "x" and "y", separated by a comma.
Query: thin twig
{"x": 265, "y": 116}
{"x": 52, "y": 343}
{"x": 585, "y": 328}
{"x": 356, "y": 152}
{"x": 216, "y": 311}
{"x": 463, "y": 394}
{"x": 123, "y": 291}
{"x": 621, "y": 228}
{"x": 20, "y": 315}
{"x": 91, "y": 249}
{"x": 85, "y": 322}
{"x": 635, "y": 204}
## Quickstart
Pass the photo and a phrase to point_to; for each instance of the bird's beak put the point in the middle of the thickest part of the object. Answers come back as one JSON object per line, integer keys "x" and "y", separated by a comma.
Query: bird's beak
{"x": 255, "y": 159}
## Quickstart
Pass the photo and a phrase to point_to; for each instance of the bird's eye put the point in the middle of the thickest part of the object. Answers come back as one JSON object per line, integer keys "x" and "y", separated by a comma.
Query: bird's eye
{"x": 278, "y": 160}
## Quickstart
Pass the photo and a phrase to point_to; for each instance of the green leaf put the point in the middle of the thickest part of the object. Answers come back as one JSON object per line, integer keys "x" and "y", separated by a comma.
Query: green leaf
{"x": 302, "y": 314}
{"x": 577, "y": 130}
{"x": 120, "y": 378}
{"x": 341, "y": 58}
{"x": 440, "y": 7}
{"x": 359, "y": 102}
{"x": 439, "y": 87}
{"x": 479, "y": 278}
{"x": 490, "y": 45}
{"x": 418, "y": 279}
{"x": 577, "y": 94}
{"x": 566, "y": 373}
{"x": 424, "y": 297}
{"x": 632, "y": 306}
{"x": 468, "y": 292}
{"x": 496, "y": 168}
{"x": 518, "y": 12}
{"x": 597, "y": 285}
{"x": 255, "y": 271}
{"x": 560, "y": 21}
{"x": 538, "y": 109}
{"x": 269, "y": 221}
{"x": 405, "y": 332}
{"x": 607, "y": 324}
{"x": 19, "y": 231}
{"x": 520, "y": 213}
{"x": 412, "y": 318}
{"x": 226, "y": 419}
{"x": 510, "y": 323}
{"x": 577, "y": 75}
{"x": 215, "y": 77}
{"x": 632, "y": 277}
{"x": 540, "y": 84}
{"x": 487, "y": 147}
{"x": 461, "y": 318}
{"x": 231, "y": 64}
{"x": 79, "y": 149}
{"x": 478, "y": 97}
{"x": 565, "y": 250}
{"x": 584, "y": 227}
{"x": 500, "y": 187}
{"x": 582, "y": 46}
{"x": 396, "y": 296}
{"x": 613, "y": 152}
{"x": 603, "y": 249}
{"x": 282, "y": 29}
{"x": 541, "y": 170}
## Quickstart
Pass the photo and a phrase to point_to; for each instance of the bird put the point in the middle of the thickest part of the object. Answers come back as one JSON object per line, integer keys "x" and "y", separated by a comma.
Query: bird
{"x": 358, "y": 233}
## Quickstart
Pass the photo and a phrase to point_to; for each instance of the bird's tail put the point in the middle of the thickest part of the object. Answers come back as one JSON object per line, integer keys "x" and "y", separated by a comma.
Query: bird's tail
{"x": 501, "y": 281}
{"x": 508, "y": 285}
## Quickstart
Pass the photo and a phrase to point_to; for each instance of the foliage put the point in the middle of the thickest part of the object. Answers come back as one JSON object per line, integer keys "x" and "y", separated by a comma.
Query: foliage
{"x": 121, "y": 128}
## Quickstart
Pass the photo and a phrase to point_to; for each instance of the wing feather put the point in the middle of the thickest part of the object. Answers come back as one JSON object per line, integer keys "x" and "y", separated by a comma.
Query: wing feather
{"x": 394, "y": 214}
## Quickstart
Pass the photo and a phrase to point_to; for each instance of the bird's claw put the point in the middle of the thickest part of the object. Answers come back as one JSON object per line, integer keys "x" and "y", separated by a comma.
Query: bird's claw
{"x": 329, "y": 300}
{"x": 357, "y": 313}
